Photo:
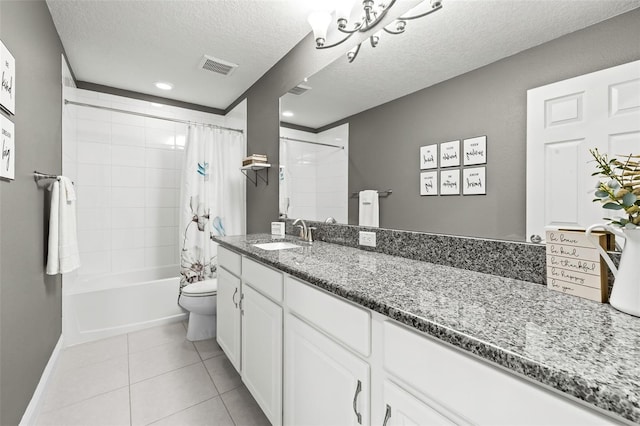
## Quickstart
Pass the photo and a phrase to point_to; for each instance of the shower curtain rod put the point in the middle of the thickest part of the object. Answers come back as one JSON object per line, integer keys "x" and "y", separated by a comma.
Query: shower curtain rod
{"x": 141, "y": 114}
{"x": 315, "y": 143}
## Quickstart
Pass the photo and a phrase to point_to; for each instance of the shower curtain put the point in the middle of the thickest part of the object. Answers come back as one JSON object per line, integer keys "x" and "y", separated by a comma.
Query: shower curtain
{"x": 212, "y": 198}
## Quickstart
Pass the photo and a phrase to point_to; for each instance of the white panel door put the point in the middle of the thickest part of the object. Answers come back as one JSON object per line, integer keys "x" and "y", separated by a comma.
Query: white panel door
{"x": 566, "y": 119}
{"x": 403, "y": 409}
{"x": 228, "y": 316}
{"x": 325, "y": 384}
{"x": 262, "y": 351}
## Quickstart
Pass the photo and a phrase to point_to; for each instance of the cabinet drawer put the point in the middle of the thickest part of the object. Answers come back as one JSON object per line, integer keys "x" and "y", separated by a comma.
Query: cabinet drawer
{"x": 229, "y": 260}
{"x": 262, "y": 278}
{"x": 473, "y": 389}
{"x": 347, "y": 323}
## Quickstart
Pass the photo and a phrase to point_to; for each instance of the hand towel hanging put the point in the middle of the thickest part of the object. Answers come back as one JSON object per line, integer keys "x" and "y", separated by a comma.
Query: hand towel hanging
{"x": 63, "y": 253}
{"x": 368, "y": 208}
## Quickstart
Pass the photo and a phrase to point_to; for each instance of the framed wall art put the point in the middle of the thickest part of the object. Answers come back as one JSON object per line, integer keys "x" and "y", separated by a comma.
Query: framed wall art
{"x": 450, "y": 154}
{"x": 429, "y": 183}
{"x": 474, "y": 181}
{"x": 8, "y": 73}
{"x": 474, "y": 151}
{"x": 7, "y": 144}
{"x": 429, "y": 157}
{"x": 450, "y": 182}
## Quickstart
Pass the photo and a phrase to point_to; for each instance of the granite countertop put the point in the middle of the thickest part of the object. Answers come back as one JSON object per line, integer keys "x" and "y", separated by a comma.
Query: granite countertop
{"x": 583, "y": 348}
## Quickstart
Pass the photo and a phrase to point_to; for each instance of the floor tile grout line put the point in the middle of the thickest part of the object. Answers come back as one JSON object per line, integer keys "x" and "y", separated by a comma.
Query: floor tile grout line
{"x": 220, "y": 394}
{"x": 185, "y": 409}
{"x": 60, "y": 407}
{"x": 168, "y": 371}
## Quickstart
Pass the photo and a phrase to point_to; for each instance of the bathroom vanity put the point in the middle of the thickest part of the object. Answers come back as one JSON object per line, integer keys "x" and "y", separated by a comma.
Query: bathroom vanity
{"x": 332, "y": 335}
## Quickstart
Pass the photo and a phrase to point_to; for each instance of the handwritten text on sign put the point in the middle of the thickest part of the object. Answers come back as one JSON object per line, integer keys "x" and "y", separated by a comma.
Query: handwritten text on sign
{"x": 429, "y": 156}
{"x": 574, "y": 265}
{"x": 7, "y": 149}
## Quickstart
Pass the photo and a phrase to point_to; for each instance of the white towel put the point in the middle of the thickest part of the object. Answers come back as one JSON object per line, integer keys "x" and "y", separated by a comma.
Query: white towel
{"x": 369, "y": 211}
{"x": 63, "y": 253}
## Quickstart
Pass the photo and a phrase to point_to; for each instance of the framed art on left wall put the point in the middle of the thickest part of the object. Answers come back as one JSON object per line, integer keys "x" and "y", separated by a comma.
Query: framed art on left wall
{"x": 7, "y": 147}
{"x": 8, "y": 73}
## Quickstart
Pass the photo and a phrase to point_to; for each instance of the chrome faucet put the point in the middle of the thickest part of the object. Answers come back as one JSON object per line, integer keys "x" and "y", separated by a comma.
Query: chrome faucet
{"x": 305, "y": 232}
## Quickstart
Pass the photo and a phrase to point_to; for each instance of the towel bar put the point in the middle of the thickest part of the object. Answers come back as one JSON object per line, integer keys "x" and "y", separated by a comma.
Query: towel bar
{"x": 382, "y": 194}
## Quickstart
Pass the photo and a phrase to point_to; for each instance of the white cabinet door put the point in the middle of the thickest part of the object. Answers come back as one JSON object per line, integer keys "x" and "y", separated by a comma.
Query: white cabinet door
{"x": 262, "y": 351}
{"x": 564, "y": 120}
{"x": 325, "y": 384}
{"x": 403, "y": 409}
{"x": 228, "y": 316}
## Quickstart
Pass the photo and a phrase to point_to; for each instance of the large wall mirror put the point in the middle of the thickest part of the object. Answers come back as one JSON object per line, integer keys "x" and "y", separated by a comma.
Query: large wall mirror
{"x": 456, "y": 74}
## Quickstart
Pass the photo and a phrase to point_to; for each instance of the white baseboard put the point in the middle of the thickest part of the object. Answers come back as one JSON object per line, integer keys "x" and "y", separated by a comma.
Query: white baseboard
{"x": 33, "y": 409}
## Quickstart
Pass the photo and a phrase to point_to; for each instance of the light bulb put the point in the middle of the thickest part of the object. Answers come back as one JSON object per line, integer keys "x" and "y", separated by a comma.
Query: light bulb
{"x": 343, "y": 12}
{"x": 319, "y": 22}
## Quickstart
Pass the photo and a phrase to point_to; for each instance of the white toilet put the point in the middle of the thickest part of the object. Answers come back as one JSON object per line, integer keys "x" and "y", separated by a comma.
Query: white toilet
{"x": 200, "y": 300}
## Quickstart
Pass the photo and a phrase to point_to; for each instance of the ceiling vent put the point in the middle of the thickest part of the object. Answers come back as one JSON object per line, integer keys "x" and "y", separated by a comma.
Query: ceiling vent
{"x": 299, "y": 89}
{"x": 216, "y": 65}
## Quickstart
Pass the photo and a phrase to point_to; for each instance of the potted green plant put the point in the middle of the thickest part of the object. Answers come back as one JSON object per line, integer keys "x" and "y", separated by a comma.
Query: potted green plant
{"x": 618, "y": 190}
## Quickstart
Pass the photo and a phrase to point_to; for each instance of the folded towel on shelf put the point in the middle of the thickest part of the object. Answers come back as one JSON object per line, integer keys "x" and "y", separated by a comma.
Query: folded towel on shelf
{"x": 63, "y": 253}
{"x": 368, "y": 208}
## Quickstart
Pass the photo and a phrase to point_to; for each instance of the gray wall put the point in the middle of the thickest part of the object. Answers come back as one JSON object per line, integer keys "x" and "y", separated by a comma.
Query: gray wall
{"x": 30, "y": 311}
{"x": 384, "y": 142}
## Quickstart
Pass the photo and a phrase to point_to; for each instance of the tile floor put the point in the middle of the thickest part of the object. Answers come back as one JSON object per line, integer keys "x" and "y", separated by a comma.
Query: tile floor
{"x": 154, "y": 376}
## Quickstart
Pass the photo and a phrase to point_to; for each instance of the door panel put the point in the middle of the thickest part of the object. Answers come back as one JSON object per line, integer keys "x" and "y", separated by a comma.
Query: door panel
{"x": 566, "y": 119}
{"x": 325, "y": 384}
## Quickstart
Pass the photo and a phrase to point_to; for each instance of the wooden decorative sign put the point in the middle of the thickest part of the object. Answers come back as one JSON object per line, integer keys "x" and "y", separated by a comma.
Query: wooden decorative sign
{"x": 574, "y": 265}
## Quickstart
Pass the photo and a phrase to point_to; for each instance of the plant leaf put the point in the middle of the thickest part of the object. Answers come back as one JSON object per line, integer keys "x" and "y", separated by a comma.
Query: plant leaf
{"x": 629, "y": 199}
{"x": 601, "y": 194}
{"x": 612, "y": 206}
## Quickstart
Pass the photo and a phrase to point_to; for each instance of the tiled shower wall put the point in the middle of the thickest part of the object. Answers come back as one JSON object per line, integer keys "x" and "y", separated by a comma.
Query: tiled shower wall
{"x": 317, "y": 175}
{"x": 126, "y": 170}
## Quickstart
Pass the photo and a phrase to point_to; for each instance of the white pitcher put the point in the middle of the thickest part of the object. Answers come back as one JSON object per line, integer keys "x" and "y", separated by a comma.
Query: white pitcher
{"x": 625, "y": 295}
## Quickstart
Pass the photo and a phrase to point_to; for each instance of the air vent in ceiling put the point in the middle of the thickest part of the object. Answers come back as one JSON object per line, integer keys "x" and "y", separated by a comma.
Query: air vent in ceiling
{"x": 299, "y": 89}
{"x": 216, "y": 65}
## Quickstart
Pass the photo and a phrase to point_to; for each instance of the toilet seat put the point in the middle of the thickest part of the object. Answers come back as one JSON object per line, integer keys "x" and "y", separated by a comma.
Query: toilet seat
{"x": 201, "y": 288}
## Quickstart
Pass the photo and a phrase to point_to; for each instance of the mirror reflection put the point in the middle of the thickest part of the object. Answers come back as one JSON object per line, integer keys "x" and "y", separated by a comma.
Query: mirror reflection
{"x": 461, "y": 73}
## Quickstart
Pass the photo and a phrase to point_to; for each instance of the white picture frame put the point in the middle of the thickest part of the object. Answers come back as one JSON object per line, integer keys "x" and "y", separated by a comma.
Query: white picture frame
{"x": 474, "y": 181}
{"x": 429, "y": 157}
{"x": 7, "y": 149}
{"x": 450, "y": 154}
{"x": 8, "y": 82}
{"x": 474, "y": 151}
{"x": 429, "y": 183}
{"x": 450, "y": 182}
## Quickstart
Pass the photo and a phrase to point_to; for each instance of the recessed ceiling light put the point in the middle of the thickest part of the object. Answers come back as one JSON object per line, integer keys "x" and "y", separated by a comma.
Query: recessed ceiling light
{"x": 287, "y": 114}
{"x": 164, "y": 86}
{"x": 157, "y": 105}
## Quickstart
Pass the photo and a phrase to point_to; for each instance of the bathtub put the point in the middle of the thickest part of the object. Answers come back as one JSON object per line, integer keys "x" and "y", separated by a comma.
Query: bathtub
{"x": 102, "y": 306}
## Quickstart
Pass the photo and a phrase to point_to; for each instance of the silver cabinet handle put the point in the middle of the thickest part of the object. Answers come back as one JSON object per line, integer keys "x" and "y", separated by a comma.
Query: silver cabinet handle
{"x": 355, "y": 401}
{"x": 536, "y": 239}
{"x": 387, "y": 415}
{"x": 241, "y": 309}
{"x": 233, "y": 298}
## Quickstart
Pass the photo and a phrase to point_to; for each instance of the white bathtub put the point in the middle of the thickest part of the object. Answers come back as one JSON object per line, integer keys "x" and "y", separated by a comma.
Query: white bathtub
{"x": 103, "y": 306}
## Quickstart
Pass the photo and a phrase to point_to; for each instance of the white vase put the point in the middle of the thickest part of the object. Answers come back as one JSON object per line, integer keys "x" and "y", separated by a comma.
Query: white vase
{"x": 625, "y": 295}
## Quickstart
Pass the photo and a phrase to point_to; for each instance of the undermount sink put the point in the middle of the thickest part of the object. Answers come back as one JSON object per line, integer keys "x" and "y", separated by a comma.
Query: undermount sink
{"x": 279, "y": 245}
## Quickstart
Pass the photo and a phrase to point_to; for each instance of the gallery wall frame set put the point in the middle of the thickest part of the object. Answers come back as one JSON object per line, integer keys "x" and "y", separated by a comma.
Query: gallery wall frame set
{"x": 445, "y": 176}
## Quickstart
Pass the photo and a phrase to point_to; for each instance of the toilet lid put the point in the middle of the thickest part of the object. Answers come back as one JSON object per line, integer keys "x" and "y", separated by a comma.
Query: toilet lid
{"x": 201, "y": 288}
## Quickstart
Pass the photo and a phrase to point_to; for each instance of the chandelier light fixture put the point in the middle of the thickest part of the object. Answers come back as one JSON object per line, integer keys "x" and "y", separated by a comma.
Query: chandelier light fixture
{"x": 373, "y": 11}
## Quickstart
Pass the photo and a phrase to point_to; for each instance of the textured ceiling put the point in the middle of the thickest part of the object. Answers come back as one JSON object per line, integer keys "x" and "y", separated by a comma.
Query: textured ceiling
{"x": 132, "y": 44}
{"x": 463, "y": 36}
